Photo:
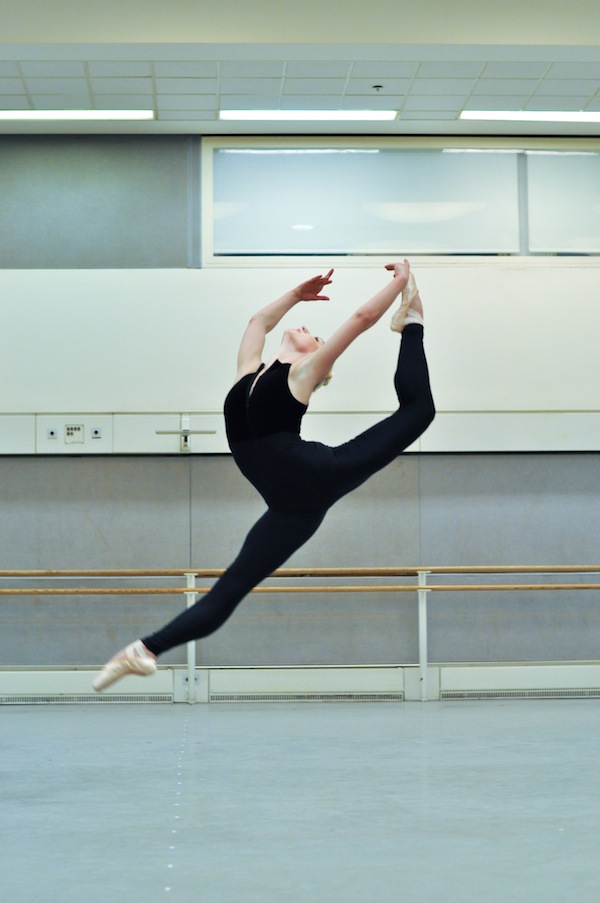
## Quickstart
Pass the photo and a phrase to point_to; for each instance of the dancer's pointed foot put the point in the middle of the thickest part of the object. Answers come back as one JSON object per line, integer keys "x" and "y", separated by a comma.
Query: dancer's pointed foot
{"x": 411, "y": 308}
{"x": 134, "y": 659}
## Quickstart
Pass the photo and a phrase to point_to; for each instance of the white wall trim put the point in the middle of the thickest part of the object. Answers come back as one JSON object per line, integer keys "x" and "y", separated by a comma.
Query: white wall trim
{"x": 366, "y": 683}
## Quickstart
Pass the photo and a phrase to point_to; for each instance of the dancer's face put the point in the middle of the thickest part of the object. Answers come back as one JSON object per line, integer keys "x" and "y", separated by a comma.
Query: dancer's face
{"x": 303, "y": 340}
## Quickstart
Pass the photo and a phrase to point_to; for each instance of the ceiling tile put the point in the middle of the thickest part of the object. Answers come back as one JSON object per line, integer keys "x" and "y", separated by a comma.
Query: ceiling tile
{"x": 122, "y": 85}
{"x": 186, "y": 102}
{"x": 185, "y": 69}
{"x": 314, "y": 86}
{"x": 123, "y": 102}
{"x": 433, "y": 102}
{"x": 251, "y": 69}
{"x": 249, "y": 101}
{"x": 56, "y": 85}
{"x": 523, "y": 86}
{"x": 318, "y": 69}
{"x": 445, "y": 69}
{"x": 495, "y": 102}
{"x": 514, "y": 70}
{"x": 11, "y": 86}
{"x": 186, "y": 85}
{"x": 375, "y": 102}
{"x": 249, "y": 85}
{"x": 574, "y": 70}
{"x": 61, "y": 102}
{"x": 52, "y": 69}
{"x": 383, "y": 69}
{"x": 13, "y": 102}
{"x": 388, "y": 86}
{"x": 8, "y": 70}
{"x": 568, "y": 88}
{"x": 567, "y": 104}
{"x": 310, "y": 102}
{"x": 116, "y": 68}
{"x": 442, "y": 86}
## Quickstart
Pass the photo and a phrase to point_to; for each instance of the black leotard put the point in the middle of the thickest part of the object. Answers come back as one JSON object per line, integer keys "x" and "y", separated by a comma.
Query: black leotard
{"x": 299, "y": 480}
{"x": 262, "y": 420}
{"x": 260, "y": 405}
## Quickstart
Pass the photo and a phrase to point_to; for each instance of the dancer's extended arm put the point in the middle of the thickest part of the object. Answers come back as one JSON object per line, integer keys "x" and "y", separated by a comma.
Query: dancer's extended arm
{"x": 253, "y": 341}
{"x": 309, "y": 371}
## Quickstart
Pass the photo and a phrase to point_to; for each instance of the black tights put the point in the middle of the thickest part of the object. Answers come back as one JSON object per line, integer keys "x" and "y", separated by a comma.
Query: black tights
{"x": 279, "y": 533}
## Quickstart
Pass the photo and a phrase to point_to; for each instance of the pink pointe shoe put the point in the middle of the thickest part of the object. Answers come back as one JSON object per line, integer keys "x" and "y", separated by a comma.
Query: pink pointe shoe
{"x": 134, "y": 659}
{"x": 405, "y": 314}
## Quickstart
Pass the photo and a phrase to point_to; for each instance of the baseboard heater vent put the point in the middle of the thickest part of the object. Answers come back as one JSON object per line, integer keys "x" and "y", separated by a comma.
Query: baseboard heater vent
{"x": 64, "y": 699}
{"x": 306, "y": 697}
{"x": 520, "y": 694}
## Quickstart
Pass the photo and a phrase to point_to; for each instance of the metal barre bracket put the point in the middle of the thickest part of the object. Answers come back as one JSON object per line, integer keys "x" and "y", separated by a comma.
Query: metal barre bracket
{"x": 184, "y": 433}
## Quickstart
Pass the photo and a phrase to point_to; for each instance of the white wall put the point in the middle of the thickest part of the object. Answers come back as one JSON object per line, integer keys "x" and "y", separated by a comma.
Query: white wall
{"x": 512, "y": 346}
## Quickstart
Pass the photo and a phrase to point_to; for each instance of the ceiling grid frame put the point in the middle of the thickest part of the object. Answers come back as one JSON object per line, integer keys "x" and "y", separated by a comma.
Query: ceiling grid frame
{"x": 187, "y": 84}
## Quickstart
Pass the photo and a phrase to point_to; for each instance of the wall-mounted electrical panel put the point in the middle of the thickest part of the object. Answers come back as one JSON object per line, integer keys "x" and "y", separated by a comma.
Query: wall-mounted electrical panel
{"x": 74, "y": 434}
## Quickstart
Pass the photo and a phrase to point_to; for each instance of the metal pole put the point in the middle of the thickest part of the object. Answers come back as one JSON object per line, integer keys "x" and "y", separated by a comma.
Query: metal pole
{"x": 422, "y": 597}
{"x": 191, "y": 596}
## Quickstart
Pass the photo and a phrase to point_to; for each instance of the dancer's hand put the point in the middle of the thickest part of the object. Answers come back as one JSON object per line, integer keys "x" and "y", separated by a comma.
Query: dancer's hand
{"x": 312, "y": 288}
{"x": 401, "y": 270}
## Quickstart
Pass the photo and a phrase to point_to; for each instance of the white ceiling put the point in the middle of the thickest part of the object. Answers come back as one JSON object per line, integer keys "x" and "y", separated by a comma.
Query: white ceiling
{"x": 118, "y": 61}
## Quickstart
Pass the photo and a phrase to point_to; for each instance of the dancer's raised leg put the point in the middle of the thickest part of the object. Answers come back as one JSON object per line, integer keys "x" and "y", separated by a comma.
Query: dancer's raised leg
{"x": 372, "y": 450}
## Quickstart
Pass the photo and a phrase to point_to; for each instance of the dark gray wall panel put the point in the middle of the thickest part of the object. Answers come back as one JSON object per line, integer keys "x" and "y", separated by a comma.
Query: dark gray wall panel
{"x": 84, "y": 202}
{"x": 512, "y": 509}
{"x": 87, "y": 513}
{"x": 96, "y": 512}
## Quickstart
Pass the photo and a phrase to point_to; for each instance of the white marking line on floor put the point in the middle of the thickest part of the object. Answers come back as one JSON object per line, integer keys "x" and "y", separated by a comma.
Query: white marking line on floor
{"x": 179, "y": 774}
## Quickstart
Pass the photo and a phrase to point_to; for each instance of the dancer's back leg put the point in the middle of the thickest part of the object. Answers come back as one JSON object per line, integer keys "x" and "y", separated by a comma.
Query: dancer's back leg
{"x": 270, "y": 542}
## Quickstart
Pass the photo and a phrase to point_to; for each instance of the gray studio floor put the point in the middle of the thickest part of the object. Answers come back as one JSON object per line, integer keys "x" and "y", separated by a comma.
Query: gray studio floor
{"x": 470, "y": 802}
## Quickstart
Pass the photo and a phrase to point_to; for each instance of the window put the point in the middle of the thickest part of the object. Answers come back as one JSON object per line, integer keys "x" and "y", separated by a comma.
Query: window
{"x": 275, "y": 198}
{"x": 564, "y": 202}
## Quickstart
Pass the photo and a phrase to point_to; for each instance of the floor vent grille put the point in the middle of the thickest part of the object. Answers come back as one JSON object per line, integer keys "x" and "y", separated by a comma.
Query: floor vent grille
{"x": 306, "y": 697}
{"x": 64, "y": 699}
{"x": 520, "y": 694}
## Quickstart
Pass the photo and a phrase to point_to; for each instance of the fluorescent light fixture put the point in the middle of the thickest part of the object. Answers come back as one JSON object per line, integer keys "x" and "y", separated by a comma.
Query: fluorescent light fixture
{"x": 309, "y": 115}
{"x": 296, "y": 150}
{"x": 529, "y": 116}
{"x": 560, "y": 153}
{"x": 73, "y": 115}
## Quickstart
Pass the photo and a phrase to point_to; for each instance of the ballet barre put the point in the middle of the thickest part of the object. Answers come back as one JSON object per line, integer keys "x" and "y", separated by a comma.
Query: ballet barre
{"x": 422, "y": 588}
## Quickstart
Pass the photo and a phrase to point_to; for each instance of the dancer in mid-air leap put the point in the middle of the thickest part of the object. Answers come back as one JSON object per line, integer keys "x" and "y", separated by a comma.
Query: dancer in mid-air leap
{"x": 298, "y": 480}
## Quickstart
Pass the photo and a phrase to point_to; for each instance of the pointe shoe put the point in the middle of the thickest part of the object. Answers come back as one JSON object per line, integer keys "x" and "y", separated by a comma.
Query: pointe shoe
{"x": 134, "y": 659}
{"x": 404, "y": 314}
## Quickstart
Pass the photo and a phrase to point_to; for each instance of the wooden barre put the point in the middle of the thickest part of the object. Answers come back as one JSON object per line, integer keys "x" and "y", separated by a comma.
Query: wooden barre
{"x": 202, "y": 590}
{"x": 317, "y": 572}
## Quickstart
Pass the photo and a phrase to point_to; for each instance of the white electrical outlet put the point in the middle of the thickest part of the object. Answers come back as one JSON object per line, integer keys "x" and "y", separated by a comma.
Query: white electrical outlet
{"x": 74, "y": 433}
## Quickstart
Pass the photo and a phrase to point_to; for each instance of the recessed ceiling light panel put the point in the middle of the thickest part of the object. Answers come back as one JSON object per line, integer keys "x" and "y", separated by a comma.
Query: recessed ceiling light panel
{"x": 74, "y": 115}
{"x": 309, "y": 115}
{"x": 529, "y": 116}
